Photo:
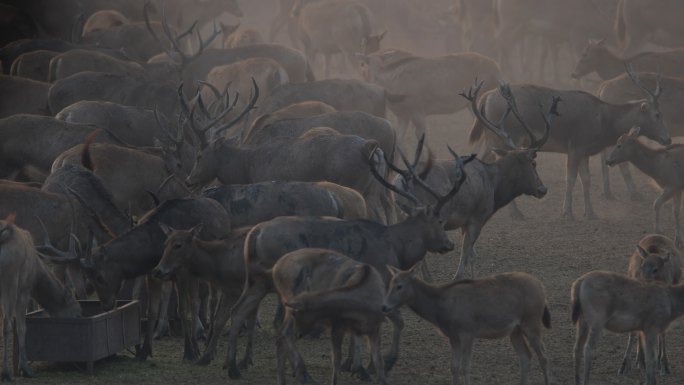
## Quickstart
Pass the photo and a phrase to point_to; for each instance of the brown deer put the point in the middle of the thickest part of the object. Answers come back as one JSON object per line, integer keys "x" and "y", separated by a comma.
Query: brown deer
{"x": 662, "y": 164}
{"x": 504, "y": 305}
{"x": 612, "y": 301}
{"x": 24, "y": 275}
{"x": 323, "y": 286}
{"x": 401, "y": 245}
{"x": 656, "y": 258}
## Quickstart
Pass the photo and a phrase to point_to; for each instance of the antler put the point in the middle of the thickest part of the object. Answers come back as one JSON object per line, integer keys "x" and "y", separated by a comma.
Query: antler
{"x": 51, "y": 252}
{"x": 496, "y": 128}
{"x": 652, "y": 95}
{"x": 174, "y": 41}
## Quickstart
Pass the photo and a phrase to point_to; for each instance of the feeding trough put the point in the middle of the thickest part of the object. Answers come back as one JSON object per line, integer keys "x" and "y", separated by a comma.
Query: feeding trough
{"x": 92, "y": 337}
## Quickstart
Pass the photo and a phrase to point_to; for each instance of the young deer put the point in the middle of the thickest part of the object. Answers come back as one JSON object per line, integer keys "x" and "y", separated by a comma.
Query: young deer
{"x": 656, "y": 258}
{"x": 606, "y": 300}
{"x": 508, "y": 304}
{"x": 665, "y": 165}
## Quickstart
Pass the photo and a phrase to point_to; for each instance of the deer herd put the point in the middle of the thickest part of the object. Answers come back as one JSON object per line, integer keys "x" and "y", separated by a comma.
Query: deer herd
{"x": 144, "y": 143}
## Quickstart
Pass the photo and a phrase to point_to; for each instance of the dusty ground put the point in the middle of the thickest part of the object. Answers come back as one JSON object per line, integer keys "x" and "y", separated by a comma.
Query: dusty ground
{"x": 555, "y": 250}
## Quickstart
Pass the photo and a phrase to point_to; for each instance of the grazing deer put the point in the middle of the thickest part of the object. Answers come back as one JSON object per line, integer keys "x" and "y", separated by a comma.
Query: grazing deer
{"x": 663, "y": 165}
{"x": 612, "y": 301}
{"x": 320, "y": 285}
{"x": 656, "y": 258}
{"x": 24, "y": 275}
{"x": 504, "y": 305}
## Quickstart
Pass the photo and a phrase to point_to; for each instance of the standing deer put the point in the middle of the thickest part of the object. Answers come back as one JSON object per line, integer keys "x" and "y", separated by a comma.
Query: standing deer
{"x": 656, "y": 258}
{"x": 489, "y": 186}
{"x": 606, "y": 300}
{"x": 664, "y": 165}
{"x": 584, "y": 128}
{"x": 508, "y": 304}
{"x": 401, "y": 245}
{"x": 320, "y": 285}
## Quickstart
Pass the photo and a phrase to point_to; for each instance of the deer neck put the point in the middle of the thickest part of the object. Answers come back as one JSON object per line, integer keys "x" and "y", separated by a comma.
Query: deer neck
{"x": 646, "y": 160}
{"x": 425, "y": 301}
{"x": 47, "y": 290}
{"x": 504, "y": 177}
{"x": 136, "y": 252}
{"x": 233, "y": 164}
{"x": 204, "y": 261}
{"x": 610, "y": 65}
{"x": 408, "y": 243}
{"x": 617, "y": 119}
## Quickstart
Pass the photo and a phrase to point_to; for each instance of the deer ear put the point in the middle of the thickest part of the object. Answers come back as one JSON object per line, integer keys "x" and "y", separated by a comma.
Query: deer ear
{"x": 642, "y": 252}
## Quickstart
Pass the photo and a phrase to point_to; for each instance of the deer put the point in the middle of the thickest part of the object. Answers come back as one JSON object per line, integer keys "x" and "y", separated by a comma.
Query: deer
{"x": 597, "y": 57}
{"x": 620, "y": 304}
{"x": 24, "y": 275}
{"x": 429, "y": 85}
{"x": 324, "y": 286}
{"x": 365, "y": 241}
{"x": 490, "y": 186}
{"x": 330, "y": 27}
{"x": 656, "y": 258}
{"x": 293, "y": 111}
{"x": 34, "y": 65}
{"x": 513, "y": 304}
{"x": 660, "y": 164}
{"x": 23, "y": 96}
{"x": 636, "y": 24}
{"x": 250, "y": 204}
{"x": 136, "y": 252}
{"x": 632, "y": 86}
{"x": 585, "y": 128}
{"x": 233, "y": 36}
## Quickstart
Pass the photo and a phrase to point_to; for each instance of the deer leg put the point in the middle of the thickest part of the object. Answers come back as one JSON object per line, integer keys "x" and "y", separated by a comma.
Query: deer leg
{"x": 187, "y": 290}
{"x": 397, "y": 326}
{"x": 222, "y": 315}
{"x": 355, "y": 360}
{"x": 676, "y": 207}
{"x": 285, "y": 332}
{"x": 650, "y": 343}
{"x": 163, "y": 327}
{"x": 245, "y": 308}
{"x": 585, "y": 177}
{"x": 524, "y": 355}
{"x": 470, "y": 235}
{"x": 592, "y": 339}
{"x": 571, "y": 168}
{"x": 580, "y": 342}
{"x": 663, "y": 361}
{"x": 658, "y": 203}
{"x": 626, "y": 366}
{"x": 535, "y": 341}
{"x": 456, "y": 355}
{"x": 336, "y": 337}
{"x": 467, "y": 350}
{"x": 375, "y": 342}
{"x": 247, "y": 361}
{"x": 20, "y": 323}
{"x": 204, "y": 304}
{"x": 6, "y": 335}
{"x": 605, "y": 176}
{"x": 153, "y": 304}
